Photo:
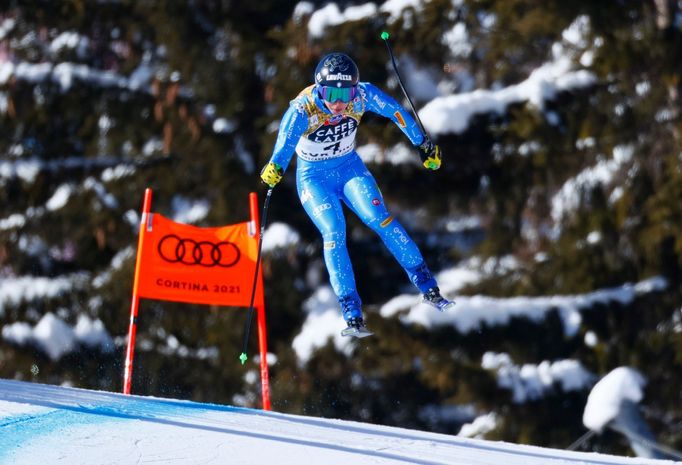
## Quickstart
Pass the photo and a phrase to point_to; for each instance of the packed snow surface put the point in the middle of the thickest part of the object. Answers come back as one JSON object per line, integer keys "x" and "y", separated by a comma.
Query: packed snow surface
{"x": 42, "y": 424}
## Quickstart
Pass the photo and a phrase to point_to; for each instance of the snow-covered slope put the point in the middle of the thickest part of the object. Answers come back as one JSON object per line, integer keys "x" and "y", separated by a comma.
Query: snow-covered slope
{"x": 42, "y": 424}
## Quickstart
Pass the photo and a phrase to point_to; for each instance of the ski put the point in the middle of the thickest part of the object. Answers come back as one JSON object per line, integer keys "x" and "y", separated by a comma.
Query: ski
{"x": 360, "y": 332}
{"x": 442, "y": 305}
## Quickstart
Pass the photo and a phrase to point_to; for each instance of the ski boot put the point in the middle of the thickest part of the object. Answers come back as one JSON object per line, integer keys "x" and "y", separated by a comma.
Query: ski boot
{"x": 440, "y": 303}
{"x": 356, "y": 328}
{"x": 351, "y": 307}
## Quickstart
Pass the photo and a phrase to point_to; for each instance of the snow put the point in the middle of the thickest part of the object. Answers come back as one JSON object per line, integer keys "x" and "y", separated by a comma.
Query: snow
{"x": 402, "y": 153}
{"x": 223, "y": 126}
{"x": 530, "y": 382}
{"x": 591, "y": 339}
{"x": 324, "y": 319}
{"x": 568, "y": 197}
{"x": 471, "y": 312}
{"x": 173, "y": 347}
{"x": 92, "y": 333}
{"x": 279, "y": 235}
{"x": 6, "y": 26}
{"x": 107, "y": 199}
{"x": 51, "y": 424}
{"x": 64, "y": 192}
{"x": 457, "y": 41}
{"x": 15, "y": 220}
{"x": 594, "y": 237}
{"x": 421, "y": 85}
{"x": 117, "y": 172}
{"x": 575, "y": 35}
{"x": 331, "y": 14}
{"x": 479, "y": 427}
{"x": 62, "y": 73}
{"x": 188, "y": 211}
{"x": 605, "y": 399}
{"x": 23, "y": 169}
{"x": 14, "y": 290}
{"x": 28, "y": 168}
{"x": 370, "y": 153}
{"x": 399, "y": 154}
{"x": 451, "y": 114}
{"x": 394, "y": 8}
{"x": 56, "y": 338}
{"x": 68, "y": 40}
{"x": 60, "y": 197}
{"x": 67, "y": 74}
{"x": 302, "y": 9}
{"x": 52, "y": 335}
{"x": 677, "y": 321}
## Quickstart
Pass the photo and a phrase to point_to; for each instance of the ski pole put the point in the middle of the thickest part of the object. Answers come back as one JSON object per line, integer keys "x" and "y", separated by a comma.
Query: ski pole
{"x": 247, "y": 327}
{"x": 384, "y": 36}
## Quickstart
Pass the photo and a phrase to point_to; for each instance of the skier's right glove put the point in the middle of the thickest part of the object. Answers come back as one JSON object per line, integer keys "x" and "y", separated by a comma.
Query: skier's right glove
{"x": 271, "y": 174}
{"x": 430, "y": 154}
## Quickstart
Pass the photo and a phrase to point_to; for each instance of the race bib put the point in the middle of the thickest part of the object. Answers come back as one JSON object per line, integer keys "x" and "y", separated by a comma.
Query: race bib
{"x": 335, "y": 137}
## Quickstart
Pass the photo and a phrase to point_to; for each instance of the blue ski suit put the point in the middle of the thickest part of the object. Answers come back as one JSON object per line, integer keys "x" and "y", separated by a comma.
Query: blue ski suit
{"x": 329, "y": 172}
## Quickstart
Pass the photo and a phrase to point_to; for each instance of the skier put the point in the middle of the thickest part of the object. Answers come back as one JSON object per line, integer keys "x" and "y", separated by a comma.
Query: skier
{"x": 320, "y": 126}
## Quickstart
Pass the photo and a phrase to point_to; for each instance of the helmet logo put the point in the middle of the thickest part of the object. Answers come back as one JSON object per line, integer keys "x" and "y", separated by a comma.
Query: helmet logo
{"x": 339, "y": 77}
{"x": 335, "y": 62}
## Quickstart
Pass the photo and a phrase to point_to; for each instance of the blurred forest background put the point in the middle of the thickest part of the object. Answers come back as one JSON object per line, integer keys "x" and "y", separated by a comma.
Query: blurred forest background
{"x": 101, "y": 99}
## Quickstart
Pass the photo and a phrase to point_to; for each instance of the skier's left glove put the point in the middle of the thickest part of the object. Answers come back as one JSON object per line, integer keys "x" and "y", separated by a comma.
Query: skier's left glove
{"x": 271, "y": 174}
{"x": 430, "y": 154}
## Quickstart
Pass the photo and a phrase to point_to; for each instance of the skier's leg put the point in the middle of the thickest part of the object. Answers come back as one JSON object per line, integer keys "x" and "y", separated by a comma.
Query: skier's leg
{"x": 324, "y": 208}
{"x": 362, "y": 195}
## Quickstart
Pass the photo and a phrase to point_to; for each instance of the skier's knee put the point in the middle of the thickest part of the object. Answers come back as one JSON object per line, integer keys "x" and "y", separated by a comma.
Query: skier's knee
{"x": 380, "y": 223}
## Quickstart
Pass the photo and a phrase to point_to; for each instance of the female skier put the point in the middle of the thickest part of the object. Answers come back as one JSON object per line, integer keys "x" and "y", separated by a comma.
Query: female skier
{"x": 320, "y": 126}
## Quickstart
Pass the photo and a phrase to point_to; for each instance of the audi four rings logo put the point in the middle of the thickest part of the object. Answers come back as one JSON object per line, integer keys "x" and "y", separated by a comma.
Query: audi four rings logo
{"x": 175, "y": 249}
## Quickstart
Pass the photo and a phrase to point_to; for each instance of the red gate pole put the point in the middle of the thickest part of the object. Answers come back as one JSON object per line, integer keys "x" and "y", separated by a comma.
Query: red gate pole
{"x": 263, "y": 346}
{"x": 262, "y": 333}
{"x": 134, "y": 306}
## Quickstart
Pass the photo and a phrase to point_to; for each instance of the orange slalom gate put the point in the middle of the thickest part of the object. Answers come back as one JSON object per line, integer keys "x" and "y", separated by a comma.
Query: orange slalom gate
{"x": 184, "y": 263}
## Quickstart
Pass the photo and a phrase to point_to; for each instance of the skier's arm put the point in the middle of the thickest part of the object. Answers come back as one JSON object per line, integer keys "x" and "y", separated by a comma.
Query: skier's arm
{"x": 291, "y": 127}
{"x": 382, "y": 104}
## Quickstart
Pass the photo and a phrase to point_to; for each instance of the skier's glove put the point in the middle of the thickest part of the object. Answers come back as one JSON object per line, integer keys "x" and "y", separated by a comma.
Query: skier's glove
{"x": 271, "y": 174}
{"x": 430, "y": 154}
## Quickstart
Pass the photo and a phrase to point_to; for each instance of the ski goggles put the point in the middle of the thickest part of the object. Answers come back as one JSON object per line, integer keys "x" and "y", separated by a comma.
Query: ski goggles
{"x": 333, "y": 94}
